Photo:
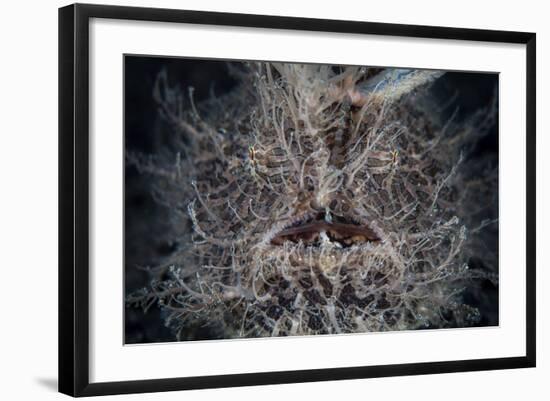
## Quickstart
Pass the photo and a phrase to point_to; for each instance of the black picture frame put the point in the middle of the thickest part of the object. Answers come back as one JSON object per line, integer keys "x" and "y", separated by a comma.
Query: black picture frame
{"x": 74, "y": 194}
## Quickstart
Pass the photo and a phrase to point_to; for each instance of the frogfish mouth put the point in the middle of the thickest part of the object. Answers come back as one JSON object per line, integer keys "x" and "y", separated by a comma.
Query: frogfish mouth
{"x": 313, "y": 232}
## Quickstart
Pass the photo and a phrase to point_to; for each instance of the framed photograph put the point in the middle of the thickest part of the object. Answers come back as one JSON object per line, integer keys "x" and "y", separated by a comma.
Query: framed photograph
{"x": 250, "y": 199}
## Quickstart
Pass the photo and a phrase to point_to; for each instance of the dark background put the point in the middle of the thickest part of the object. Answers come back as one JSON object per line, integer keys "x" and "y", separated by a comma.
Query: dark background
{"x": 143, "y": 132}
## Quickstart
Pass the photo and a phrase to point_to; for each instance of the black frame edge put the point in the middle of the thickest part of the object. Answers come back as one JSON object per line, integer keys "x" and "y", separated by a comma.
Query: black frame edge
{"x": 531, "y": 124}
{"x": 73, "y": 267}
{"x": 301, "y": 376}
{"x": 81, "y": 198}
{"x": 73, "y": 134}
{"x": 301, "y": 23}
{"x": 66, "y": 306}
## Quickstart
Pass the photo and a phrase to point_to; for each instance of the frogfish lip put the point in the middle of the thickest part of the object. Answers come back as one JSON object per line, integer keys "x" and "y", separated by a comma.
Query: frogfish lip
{"x": 314, "y": 232}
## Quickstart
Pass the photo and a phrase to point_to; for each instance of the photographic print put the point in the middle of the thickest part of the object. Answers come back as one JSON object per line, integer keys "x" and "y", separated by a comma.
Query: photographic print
{"x": 268, "y": 199}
